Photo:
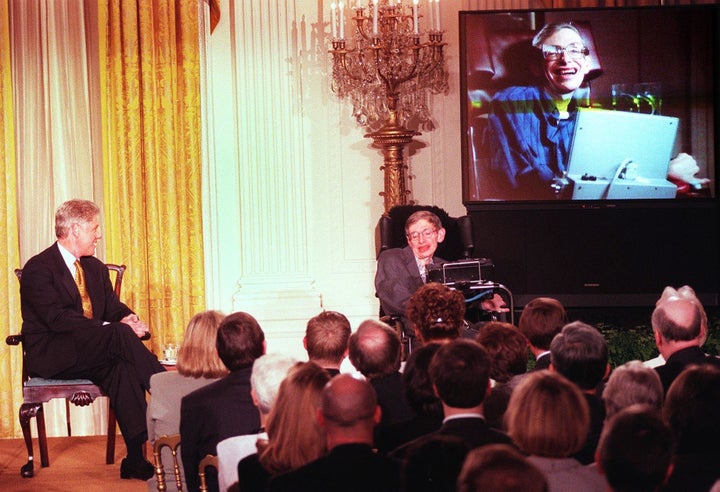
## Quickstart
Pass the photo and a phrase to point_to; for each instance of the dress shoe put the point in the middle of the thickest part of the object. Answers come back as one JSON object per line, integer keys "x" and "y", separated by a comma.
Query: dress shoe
{"x": 141, "y": 469}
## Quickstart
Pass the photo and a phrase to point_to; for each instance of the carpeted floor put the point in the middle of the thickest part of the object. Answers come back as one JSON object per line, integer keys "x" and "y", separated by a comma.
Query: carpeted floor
{"x": 76, "y": 464}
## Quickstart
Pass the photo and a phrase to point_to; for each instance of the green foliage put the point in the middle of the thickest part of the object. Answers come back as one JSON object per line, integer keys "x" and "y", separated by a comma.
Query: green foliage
{"x": 638, "y": 343}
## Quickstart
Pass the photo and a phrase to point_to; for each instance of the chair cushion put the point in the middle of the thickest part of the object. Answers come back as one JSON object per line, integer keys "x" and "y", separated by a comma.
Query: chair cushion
{"x": 56, "y": 382}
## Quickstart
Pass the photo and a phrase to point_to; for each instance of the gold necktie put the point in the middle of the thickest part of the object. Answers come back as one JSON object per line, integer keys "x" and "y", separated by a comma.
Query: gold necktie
{"x": 82, "y": 288}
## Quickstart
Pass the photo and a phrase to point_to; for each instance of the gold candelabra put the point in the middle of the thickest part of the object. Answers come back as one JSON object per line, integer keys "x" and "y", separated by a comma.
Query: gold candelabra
{"x": 388, "y": 74}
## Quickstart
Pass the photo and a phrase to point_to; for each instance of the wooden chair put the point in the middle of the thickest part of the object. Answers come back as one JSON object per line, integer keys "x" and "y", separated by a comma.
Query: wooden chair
{"x": 211, "y": 461}
{"x": 80, "y": 392}
{"x": 172, "y": 442}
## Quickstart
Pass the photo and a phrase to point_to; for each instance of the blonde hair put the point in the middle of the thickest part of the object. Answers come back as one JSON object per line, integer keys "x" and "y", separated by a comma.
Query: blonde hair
{"x": 294, "y": 435}
{"x": 547, "y": 416}
{"x": 197, "y": 356}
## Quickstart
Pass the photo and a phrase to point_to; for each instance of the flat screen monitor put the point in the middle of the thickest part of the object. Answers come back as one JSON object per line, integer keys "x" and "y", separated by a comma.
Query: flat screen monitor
{"x": 520, "y": 102}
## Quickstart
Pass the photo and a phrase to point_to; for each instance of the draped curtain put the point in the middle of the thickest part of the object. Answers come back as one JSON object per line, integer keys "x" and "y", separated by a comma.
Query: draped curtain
{"x": 149, "y": 58}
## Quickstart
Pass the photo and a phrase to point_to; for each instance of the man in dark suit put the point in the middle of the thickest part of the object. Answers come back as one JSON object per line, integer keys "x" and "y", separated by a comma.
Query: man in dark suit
{"x": 680, "y": 328}
{"x": 460, "y": 373}
{"x": 401, "y": 271}
{"x": 76, "y": 327}
{"x": 349, "y": 413}
{"x": 224, "y": 408}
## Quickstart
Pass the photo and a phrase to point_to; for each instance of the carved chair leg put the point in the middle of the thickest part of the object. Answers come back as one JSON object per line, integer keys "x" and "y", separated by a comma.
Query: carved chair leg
{"x": 27, "y": 412}
{"x": 110, "y": 449}
{"x": 67, "y": 416}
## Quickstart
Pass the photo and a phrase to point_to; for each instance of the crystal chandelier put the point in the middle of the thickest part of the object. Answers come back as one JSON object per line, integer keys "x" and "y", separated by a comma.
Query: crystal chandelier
{"x": 388, "y": 72}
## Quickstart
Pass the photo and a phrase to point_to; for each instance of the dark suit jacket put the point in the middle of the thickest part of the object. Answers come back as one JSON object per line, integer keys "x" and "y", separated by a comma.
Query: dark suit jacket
{"x": 475, "y": 432}
{"x": 346, "y": 468}
{"x": 52, "y": 309}
{"x": 678, "y": 361}
{"x": 212, "y": 413}
{"x": 397, "y": 278}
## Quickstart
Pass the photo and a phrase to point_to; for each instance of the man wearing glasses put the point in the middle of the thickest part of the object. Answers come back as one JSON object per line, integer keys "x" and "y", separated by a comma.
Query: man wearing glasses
{"x": 530, "y": 129}
{"x": 401, "y": 271}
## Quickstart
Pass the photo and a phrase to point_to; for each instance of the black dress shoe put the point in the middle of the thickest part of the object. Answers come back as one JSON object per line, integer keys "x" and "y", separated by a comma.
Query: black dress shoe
{"x": 142, "y": 470}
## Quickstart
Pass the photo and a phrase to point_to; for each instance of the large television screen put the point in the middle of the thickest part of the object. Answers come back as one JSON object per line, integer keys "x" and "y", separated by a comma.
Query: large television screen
{"x": 610, "y": 105}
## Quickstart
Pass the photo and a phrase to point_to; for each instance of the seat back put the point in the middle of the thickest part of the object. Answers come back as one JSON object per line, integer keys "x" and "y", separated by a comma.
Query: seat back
{"x": 209, "y": 461}
{"x": 173, "y": 443}
{"x": 458, "y": 241}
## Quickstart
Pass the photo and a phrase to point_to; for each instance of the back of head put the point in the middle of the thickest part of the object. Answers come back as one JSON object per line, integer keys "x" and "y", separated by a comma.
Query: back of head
{"x": 240, "y": 341}
{"x": 635, "y": 450}
{"x": 437, "y": 312}
{"x": 579, "y": 352}
{"x": 692, "y": 406}
{"x": 678, "y": 320}
{"x": 74, "y": 211}
{"x": 460, "y": 371}
{"x": 547, "y": 415}
{"x": 630, "y": 384}
{"x": 198, "y": 356}
{"x": 507, "y": 348}
{"x": 688, "y": 293}
{"x": 433, "y": 463}
{"x": 268, "y": 372}
{"x": 418, "y": 385}
{"x": 348, "y": 402}
{"x": 499, "y": 468}
{"x": 294, "y": 435}
{"x": 326, "y": 337}
{"x": 375, "y": 349}
{"x": 542, "y": 319}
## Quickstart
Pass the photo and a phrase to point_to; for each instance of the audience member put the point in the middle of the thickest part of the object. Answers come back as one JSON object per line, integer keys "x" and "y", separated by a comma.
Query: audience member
{"x": 437, "y": 313}
{"x": 204, "y": 413}
{"x": 460, "y": 375}
{"x": 629, "y": 384}
{"x": 508, "y": 351}
{"x": 198, "y": 364}
{"x": 668, "y": 294}
{"x": 635, "y": 451}
{"x": 268, "y": 371}
{"x": 692, "y": 407}
{"x": 579, "y": 352}
{"x": 326, "y": 340}
{"x": 421, "y": 397}
{"x": 548, "y": 419}
{"x": 348, "y": 413}
{"x": 375, "y": 351}
{"x": 75, "y": 327}
{"x": 294, "y": 435}
{"x": 499, "y": 468}
{"x": 433, "y": 464}
{"x": 680, "y": 328}
{"x": 541, "y": 319}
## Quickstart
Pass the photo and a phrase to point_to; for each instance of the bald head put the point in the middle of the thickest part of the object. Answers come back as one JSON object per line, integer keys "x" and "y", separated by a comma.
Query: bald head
{"x": 678, "y": 319}
{"x": 374, "y": 349}
{"x": 348, "y": 401}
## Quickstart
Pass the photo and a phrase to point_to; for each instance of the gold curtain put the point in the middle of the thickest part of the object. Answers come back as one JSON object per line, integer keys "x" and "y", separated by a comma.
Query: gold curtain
{"x": 10, "y": 360}
{"x": 150, "y": 85}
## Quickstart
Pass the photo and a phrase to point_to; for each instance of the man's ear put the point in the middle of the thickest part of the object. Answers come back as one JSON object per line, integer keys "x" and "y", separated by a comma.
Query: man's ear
{"x": 377, "y": 416}
{"x": 305, "y": 343}
{"x": 253, "y": 395}
{"x": 264, "y": 347}
{"x": 320, "y": 418}
{"x": 441, "y": 234}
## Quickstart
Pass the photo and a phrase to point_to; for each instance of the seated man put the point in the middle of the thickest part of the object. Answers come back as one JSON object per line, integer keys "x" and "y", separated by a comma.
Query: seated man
{"x": 75, "y": 327}
{"x": 326, "y": 340}
{"x": 402, "y": 271}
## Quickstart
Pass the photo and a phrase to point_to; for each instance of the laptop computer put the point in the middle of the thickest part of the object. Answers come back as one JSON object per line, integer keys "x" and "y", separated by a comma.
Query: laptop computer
{"x": 621, "y": 155}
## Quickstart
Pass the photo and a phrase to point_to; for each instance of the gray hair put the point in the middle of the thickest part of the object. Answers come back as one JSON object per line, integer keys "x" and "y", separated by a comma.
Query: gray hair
{"x": 268, "y": 371}
{"x": 630, "y": 384}
{"x": 72, "y": 212}
{"x": 550, "y": 29}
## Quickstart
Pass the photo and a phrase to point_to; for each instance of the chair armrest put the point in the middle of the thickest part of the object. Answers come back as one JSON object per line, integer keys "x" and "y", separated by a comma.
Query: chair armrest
{"x": 14, "y": 339}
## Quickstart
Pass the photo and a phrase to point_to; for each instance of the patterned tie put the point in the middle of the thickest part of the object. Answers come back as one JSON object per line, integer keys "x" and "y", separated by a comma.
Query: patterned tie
{"x": 82, "y": 288}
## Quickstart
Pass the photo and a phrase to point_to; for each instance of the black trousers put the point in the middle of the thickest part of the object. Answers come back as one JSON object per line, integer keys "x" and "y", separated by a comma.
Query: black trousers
{"x": 114, "y": 358}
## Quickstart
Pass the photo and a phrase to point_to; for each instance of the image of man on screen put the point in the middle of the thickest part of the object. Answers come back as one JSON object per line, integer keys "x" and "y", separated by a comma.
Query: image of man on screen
{"x": 530, "y": 128}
